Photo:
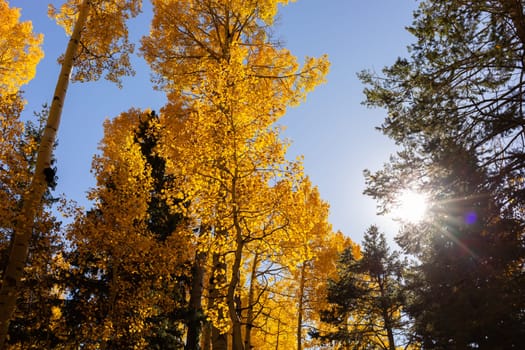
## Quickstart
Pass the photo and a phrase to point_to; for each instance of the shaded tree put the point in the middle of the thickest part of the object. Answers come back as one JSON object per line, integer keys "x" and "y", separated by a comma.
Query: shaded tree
{"x": 461, "y": 84}
{"x": 466, "y": 289}
{"x": 455, "y": 108}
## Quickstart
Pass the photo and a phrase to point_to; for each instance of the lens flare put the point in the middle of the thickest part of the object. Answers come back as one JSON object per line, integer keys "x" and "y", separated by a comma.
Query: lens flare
{"x": 471, "y": 218}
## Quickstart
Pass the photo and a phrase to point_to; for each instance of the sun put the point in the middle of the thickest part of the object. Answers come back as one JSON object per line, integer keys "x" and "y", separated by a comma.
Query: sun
{"x": 411, "y": 206}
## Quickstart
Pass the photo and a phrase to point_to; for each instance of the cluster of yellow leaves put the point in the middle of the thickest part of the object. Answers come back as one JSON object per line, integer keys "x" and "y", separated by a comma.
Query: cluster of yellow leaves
{"x": 220, "y": 33}
{"x": 105, "y": 46}
{"x": 115, "y": 239}
{"x": 227, "y": 142}
{"x": 228, "y": 85}
{"x": 20, "y": 50}
{"x": 276, "y": 325}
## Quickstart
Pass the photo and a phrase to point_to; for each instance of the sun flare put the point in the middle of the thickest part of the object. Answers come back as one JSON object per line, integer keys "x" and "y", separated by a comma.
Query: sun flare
{"x": 411, "y": 206}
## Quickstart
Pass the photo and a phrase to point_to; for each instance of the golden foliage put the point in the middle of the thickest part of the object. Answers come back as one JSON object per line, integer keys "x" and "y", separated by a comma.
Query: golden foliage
{"x": 114, "y": 238}
{"x": 207, "y": 36}
{"x": 104, "y": 43}
{"x": 228, "y": 85}
{"x": 20, "y": 50}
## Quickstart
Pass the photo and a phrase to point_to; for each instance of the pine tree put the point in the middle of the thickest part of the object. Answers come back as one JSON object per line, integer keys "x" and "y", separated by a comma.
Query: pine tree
{"x": 367, "y": 297}
{"x": 455, "y": 108}
{"x": 465, "y": 290}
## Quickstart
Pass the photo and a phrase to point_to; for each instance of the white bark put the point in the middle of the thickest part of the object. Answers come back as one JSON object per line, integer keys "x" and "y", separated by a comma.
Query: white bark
{"x": 32, "y": 201}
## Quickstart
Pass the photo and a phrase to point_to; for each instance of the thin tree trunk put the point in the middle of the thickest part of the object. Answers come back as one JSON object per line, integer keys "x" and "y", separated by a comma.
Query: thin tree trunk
{"x": 251, "y": 294}
{"x": 206, "y": 336}
{"x": 390, "y": 334}
{"x": 387, "y": 320}
{"x": 112, "y": 304}
{"x": 389, "y": 330}
{"x": 300, "y": 308}
{"x": 32, "y": 200}
{"x": 195, "y": 318}
{"x": 230, "y": 299}
{"x": 219, "y": 341}
{"x": 237, "y": 343}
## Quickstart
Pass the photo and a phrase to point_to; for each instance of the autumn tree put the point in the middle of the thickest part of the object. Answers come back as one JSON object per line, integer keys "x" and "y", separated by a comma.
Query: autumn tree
{"x": 310, "y": 236}
{"x": 98, "y": 43}
{"x": 455, "y": 107}
{"x": 14, "y": 168}
{"x": 130, "y": 252}
{"x": 283, "y": 283}
{"x": 322, "y": 269}
{"x": 309, "y": 230}
{"x": 217, "y": 60}
{"x": 35, "y": 324}
{"x": 276, "y": 324}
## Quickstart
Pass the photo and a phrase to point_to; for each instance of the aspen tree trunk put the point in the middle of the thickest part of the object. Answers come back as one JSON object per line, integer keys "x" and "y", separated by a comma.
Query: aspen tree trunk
{"x": 251, "y": 296}
{"x": 237, "y": 343}
{"x": 206, "y": 336}
{"x": 32, "y": 200}
{"x": 300, "y": 308}
{"x": 219, "y": 341}
{"x": 195, "y": 317}
{"x": 232, "y": 306}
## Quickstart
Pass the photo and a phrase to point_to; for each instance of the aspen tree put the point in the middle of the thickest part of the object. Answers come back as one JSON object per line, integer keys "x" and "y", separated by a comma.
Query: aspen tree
{"x": 33, "y": 323}
{"x": 19, "y": 54}
{"x": 307, "y": 255}
{"x": 235, "y": 83}
{"x": 103, "y": 35}
{"x": 322, "y": 269}
{"x": 311, "y": 228}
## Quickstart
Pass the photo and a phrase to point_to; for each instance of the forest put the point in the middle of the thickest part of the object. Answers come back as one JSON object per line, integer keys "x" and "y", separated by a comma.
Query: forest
{"x": 204, "y": 233}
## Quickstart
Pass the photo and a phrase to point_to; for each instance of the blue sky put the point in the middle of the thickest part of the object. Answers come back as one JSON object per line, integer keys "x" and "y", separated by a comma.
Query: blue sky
{"x": 333, "y": 131}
